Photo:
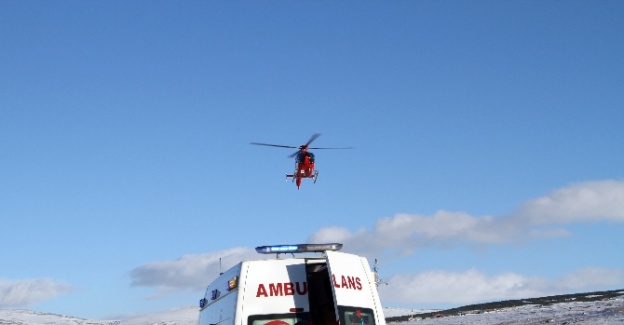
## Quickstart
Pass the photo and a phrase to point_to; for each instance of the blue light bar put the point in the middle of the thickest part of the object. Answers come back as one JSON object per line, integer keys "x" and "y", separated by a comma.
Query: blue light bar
{"x": 301, "y": 248}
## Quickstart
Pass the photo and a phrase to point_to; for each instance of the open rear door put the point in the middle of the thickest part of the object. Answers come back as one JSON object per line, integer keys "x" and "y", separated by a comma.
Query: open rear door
{"x": 355, "y": 293}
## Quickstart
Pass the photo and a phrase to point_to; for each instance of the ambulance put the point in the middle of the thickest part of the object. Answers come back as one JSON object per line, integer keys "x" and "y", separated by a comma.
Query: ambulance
{"x": 326, "y": 287}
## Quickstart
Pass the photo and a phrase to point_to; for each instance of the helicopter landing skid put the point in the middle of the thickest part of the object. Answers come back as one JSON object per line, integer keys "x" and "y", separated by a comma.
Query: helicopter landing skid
{"x": 315, "y": 176}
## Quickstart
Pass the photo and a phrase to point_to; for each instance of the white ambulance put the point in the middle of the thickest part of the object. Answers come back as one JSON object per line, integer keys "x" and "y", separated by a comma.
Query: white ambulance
{"x": 330, "y": 289}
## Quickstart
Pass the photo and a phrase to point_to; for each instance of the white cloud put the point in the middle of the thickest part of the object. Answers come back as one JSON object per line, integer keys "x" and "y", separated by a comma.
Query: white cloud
{"x": 403, "y": 233}
{"x": 591, "y": 278}
{"x": 589, "y": 201}
{"x": 30, "y": 291}
{"x": 473, "y": 286}
{"x": 189, "y": 272}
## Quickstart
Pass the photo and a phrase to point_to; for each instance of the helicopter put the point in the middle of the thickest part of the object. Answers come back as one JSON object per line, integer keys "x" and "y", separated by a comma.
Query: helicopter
{"x": 304, "y": 160}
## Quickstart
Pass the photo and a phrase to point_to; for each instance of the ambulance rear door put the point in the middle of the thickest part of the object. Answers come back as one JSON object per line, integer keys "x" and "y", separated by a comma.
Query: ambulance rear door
{"x": 355, "y": 293}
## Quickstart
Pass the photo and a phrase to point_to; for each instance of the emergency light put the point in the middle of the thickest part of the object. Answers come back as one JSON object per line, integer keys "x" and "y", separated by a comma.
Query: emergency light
{"x": 232, "y": 283}
{"x": 300, "y": 248}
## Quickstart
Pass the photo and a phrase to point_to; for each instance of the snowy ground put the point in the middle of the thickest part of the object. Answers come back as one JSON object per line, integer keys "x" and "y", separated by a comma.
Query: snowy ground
{"x": 180, "y": 316}
{"x": 608, "y": 312}
{"x": 604, "y": 312}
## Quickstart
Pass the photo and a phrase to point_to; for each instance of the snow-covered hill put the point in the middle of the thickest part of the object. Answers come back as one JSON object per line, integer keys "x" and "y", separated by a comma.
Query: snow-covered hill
{"x": 28, "y": 317}
{"x": 608, "y": 311}
{"x": 179, "y": 316}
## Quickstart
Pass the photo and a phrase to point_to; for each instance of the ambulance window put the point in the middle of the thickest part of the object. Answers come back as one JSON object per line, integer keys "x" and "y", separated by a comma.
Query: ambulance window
{"x": 356, "y": 316}
{"x": 279, "y": 319}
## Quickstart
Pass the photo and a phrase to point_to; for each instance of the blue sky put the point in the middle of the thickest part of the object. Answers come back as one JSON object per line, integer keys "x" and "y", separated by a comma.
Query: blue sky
{"x": 488, "y": 159}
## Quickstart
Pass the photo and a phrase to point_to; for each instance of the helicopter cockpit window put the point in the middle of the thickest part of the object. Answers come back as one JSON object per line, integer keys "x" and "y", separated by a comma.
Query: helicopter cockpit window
{"x": 302, "y": 155}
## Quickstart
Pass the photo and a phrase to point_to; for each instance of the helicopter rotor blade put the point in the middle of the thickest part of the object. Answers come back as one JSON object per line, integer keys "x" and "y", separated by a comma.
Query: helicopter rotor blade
{"x": 301, "y": 148}
{"x": 314, "y": 136}
{"x": 332, "y": 148}
{"x": 272, "y": 145}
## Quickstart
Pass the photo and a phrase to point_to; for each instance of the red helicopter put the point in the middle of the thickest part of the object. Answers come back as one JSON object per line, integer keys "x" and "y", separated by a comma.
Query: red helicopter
{"x": 304, "y": 160}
